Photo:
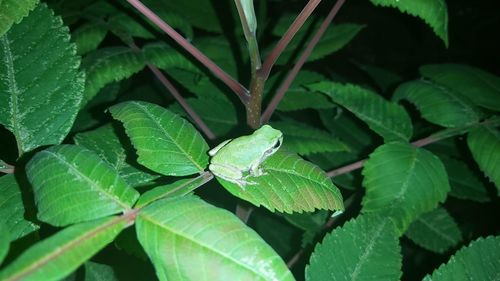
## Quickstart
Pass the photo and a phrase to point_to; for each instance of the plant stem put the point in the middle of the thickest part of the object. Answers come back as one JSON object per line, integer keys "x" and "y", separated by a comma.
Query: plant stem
{"x": 254, "y": 104}
{"x": 177, "y": 96}
{"x": 295, "y": 258}
{"x": 447, "y": 133}
{"x": 236, "y": 87}
{"x": 288, "y": 36}
{"x": 250, "y": 36}
{"x": 243, "y": 212}
{"x": 173, "y": 91}
{"x": 6, "y": 168}
{"x": 280, "y": 93}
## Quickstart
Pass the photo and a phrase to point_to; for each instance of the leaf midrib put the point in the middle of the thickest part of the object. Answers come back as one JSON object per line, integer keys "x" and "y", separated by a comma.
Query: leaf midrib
{"x": 364, "y": 257}
{"x": 197, "y": 242}
{"x": 14, "y": 93}
{"x": 166, "y": 133}
{"x": 62, "y": 250}
{"x": 435, "y": 230}
{"x": 87, "y": 179}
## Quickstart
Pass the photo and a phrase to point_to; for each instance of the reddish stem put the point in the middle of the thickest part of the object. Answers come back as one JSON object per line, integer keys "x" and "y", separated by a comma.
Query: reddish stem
{"x": 302, "y": 59}
{"x": 287, "y": 37}
{"x": 196, "y": 119}
{"x": 177, "y": 96}
{"x": 419, "y": 143}
{"x": 236, "y": 87}
{"x": 7, "y": 168}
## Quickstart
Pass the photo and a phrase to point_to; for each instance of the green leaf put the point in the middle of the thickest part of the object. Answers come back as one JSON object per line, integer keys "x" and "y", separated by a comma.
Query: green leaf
{"x": 219, "y": 115}
{"x": 349, "y": 129}
{"x": 308, "y": 221}
{"x": 175, "y": 232}
{"x": 464, "y": 183}
{"x": 435, "y": 231}
{"x": 365, "y": 248}
{"x": 72, "y": 184}
{"x": 220, "y": 51}
{"x": 479, "y": 86}
{"x": 130, "y": 24}
{"x": 177, "y": 188}
{"x": 106, "y": 143}
{"x": 199, "y": 13}
{"x": 12, "y": 209}
{"x": 484, "y": 143}
{"x": 433, "y": 12}
{"x": 438, "y": 104}
{"x": 13, "y": 11}
{"x": 335, "y": 38}
{"x": 106, "y": 65}
{"x": 165, "y": 57}
{"x": 478, "y": 261}
{"x": 384, "y": 78}
{"x": 387, "y": 119}
{"x": 40, "y": 84}
{"x": 304, "y": 140}
{"x": 403, "y": 182}
{"x": 311, "y": 223}
{"x": 282, "y": 236}
{"x": 99, "y": 272}
{"x": 212, "y": 104}
{"x": 60, "y": 254}
{"x": 289, "y": 184}
{"x": 127, "y": 27}
{"x": 300, "y": 97}
{"x": 88, "y": 37}
{"x": 4, "y": 243}
{"x": 165, "y": 142}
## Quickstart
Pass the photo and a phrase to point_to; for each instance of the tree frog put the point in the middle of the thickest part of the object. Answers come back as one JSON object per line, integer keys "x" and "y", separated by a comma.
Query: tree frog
{"x": 236, "y": 159}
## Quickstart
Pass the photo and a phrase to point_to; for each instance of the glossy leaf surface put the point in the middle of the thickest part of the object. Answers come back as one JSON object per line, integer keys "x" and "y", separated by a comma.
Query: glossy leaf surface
{"x": 365, "y": 248}
{"x": 484, "y": 143}
{"x": 403, "y": 182}
{"x": 13, "y": 11}
{"x": 40, "y": 83}
{"x": 433, "y": 12}
{"x": 72, "y": 184}
{"x": 106, "y": 142}
{"x": 479, "y": 86}
{"x": 289, "y": 184}
{"x": 165, "y": 142}
{"x": 182, "y": 246}
{"x": 438, "y": 104}
{"x": 63, "y": 252}
{"x": 436, "y": 231}
{"x": 12, "y": 213}
{"x": 480, "y": 260}
{"x": 107, "y": 65}
{"x": 387, "y": 119}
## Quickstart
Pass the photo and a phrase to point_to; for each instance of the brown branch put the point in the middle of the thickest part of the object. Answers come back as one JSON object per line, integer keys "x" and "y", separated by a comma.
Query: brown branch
{"x": 177, "y": 96}
{"x": 280, "y": 93}
{"x": 234, "y": 85}
{"x": 419, "y": 143}
{"x": 295, "y": 258}
{"x": 6, "y": 168}
{"x": 287, "y": 37}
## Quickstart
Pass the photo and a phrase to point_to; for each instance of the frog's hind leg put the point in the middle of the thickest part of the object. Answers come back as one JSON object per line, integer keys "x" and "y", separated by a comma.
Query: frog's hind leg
{"x": 226, "y": 172}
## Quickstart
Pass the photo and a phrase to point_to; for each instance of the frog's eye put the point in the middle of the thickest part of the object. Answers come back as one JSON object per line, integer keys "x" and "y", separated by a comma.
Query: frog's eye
{"x": 277, "y": 144}
{"x": 271, "y": 150}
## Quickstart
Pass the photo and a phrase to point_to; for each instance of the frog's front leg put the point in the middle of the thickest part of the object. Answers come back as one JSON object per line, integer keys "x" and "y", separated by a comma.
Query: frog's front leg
{"x": 214, "y": 150}
{"x": 256, "y": 170}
